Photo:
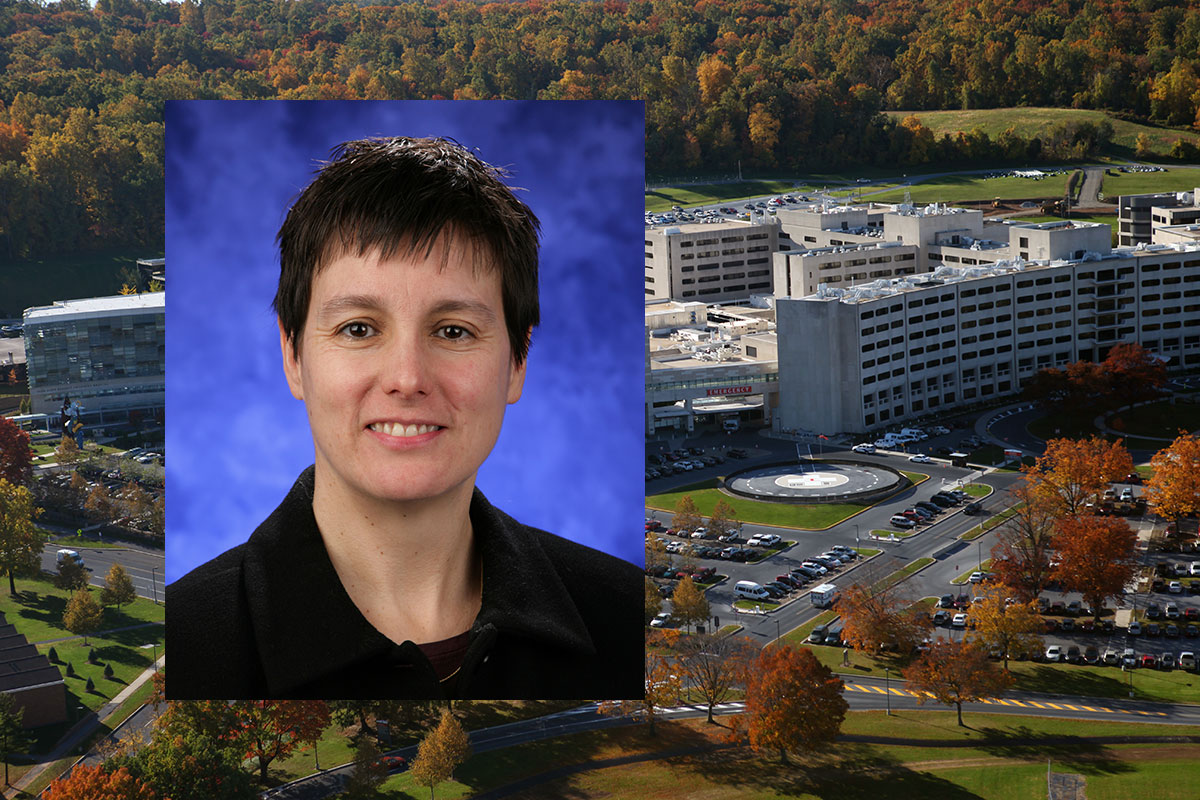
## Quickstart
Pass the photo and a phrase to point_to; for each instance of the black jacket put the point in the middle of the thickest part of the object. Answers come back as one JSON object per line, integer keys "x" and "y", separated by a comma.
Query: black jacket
{"x": 270, "y": 619}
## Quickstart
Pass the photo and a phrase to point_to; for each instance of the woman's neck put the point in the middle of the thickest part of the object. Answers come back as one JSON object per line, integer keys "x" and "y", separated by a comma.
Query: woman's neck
{"x": 411, "y": 568}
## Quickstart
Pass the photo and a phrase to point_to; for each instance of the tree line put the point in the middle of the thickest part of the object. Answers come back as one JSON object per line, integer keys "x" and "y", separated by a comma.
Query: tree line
{"x": 764, "y": 83}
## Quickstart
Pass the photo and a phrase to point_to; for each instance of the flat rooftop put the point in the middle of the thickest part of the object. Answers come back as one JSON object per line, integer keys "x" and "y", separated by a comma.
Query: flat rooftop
{"x": 98, "y": 306}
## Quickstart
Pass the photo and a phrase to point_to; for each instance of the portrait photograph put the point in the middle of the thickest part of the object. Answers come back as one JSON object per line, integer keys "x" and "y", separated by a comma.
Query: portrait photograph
{"x": 405, "y": 365}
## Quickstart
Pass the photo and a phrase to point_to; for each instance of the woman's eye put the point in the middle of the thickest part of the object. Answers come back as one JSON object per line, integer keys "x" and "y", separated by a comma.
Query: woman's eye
{"x": 453, "y": 332}
{"x": 357, "y": 330}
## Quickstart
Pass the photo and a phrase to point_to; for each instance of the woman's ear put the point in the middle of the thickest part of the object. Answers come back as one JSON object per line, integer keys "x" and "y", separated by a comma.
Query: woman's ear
{"x": 291, "y": 363}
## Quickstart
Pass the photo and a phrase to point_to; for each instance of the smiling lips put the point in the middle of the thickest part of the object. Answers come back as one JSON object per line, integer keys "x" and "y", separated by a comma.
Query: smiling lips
{"x": 400, "y": 430}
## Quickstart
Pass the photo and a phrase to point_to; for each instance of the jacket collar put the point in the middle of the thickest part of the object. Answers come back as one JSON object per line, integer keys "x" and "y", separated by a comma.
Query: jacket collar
{"x": 307, "y": 628}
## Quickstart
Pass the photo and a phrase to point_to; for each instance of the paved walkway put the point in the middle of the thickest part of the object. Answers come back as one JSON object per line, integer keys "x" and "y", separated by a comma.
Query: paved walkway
{"x": 82, "y": 730}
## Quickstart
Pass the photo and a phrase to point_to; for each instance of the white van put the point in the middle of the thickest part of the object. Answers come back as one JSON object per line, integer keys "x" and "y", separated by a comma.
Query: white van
{"x": 750, "y": 591}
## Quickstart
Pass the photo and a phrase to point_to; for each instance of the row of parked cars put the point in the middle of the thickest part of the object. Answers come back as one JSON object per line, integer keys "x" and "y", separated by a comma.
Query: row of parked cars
{"x": 812, "y": 569}
{"x": 1127, "y": 658}
{"x": 924, "y": 511}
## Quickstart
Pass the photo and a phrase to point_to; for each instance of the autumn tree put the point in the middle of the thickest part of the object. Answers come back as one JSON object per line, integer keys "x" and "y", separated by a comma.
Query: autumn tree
{"x": 134, "y": 500}
{"x": 99, "y": 504}
{"x": 1073, "y": 471}
{"x": 16, "y": 459}
{"x": 86, "y": 782}
{"x": 686, "y": 518}
{"x": 1174, "y": 488}
{"x": 118, "y": 587}
{"x": 653, "y": 600}
{"x": 21, "y": 541}
{"x": 441, "y": 752}
{"x": 1096, "y": 557}
{"x": 1025, "y": 543}
{"x": 273, "y": 729}
{"x": 83, "y": 614}
{"x": 724, "y": 519}
{"x": 67, "y": 452}
{"x": 1011, "y": 628}
{"x": 657, "y": 556}
{"x": 955, "y": 673}
{"x": 13, "y": 738}
{"x": 664, "y": 689}
{"x": 879, "y": 614}
{"x": 1133, "y": 374}
{"x": 792, "y": 701}
{"x": 688, "y": 603}
{"x": 715, "y": 666}
{"x": 188, "y": 765}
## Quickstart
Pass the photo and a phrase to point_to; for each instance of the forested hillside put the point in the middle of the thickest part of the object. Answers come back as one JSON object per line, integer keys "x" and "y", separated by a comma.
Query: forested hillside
{"x": 788, "y": 84}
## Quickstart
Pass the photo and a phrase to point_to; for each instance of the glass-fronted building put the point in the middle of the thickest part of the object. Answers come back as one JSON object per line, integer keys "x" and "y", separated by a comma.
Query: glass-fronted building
{"x": 105, "y": 353}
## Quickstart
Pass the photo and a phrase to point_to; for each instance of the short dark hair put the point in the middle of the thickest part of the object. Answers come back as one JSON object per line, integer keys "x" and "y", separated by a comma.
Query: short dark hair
{"x": 392, "y": 193}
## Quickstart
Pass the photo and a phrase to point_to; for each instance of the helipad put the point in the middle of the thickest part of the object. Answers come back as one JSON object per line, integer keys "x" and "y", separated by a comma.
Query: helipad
{"x": 814, "y": 482}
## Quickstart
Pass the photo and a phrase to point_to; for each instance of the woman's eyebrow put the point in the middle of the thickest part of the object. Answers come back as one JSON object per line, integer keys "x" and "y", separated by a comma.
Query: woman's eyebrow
{"x": 350, "y": 302}
{"x": 465, "y": 306}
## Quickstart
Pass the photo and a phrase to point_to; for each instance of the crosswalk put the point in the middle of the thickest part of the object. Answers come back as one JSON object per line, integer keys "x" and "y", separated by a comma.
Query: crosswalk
{"x": 1045, "y": 705}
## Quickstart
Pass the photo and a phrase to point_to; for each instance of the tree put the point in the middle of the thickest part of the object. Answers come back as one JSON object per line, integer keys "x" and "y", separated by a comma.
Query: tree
{"x": 1133, "y": 373}
{"x": 83, "y": 614}
{"x": 118, "y": 587}
{"x": 663, "y": 690}
{"x": 440, "y": 753}
{"x": 67, "y": 452}
{"x": 187, "y": 765}
{"x": 653, "y": 600}
{"x": 792, "y": 701}
{"x": 16, "y": 459}
{"x": 13, "y": 738}
{"x": 686, "y": 518}
{"x": 657, "y": 556}
{"x": 714, "y": 666}
{"x": 880, "y": 615}
{"x": 134, "y": 500}
{"x": 272, "y": 729}
{"x": 1073, "y": 471}
{"x": 1022, "y": 553}
{"x": 724, "y": 519}
{"x": 21, "y": 542}
{"x": 688, "y": 603}
{"x": 72, "y": 575}
{"x": 1174, "y": 488}
{"x": 955, "y": 673}
{"x": 1011, "y": 628}
{"x": 368, "y": 773}
{"x": 99, "y": 505}
{"x": 86, "y": 782}
{"x": 1096, "y": 557}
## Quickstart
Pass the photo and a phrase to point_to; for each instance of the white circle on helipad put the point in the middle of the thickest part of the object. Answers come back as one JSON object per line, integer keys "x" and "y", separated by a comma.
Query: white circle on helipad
{"x": 811, "y": 480}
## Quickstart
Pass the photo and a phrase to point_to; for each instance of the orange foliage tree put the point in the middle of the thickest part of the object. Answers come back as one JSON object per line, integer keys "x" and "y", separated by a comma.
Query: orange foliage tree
{"x": 954, "y": 673}
{"x": 1072, "y": 471}
{"x": 1011, "y": 628}
{"x": 1174, "y": 489}
{"x": 16, "y": 459}
{"x": 1096, "y": 557}
{"x": 881, "y": 617}
{"x": 715, "y": 666}
{"x": 663, "y": 689}
{"x": 792, "y": 701}
{"x": 89, "y": 783}
{"x": 1022, "y": 553}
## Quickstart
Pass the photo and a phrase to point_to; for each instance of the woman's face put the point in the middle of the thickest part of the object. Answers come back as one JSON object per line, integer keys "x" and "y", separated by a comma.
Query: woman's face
{"x": 405, "y": 369}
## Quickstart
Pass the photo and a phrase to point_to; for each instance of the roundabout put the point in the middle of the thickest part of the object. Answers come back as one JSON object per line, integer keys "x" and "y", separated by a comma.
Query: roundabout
{"x": 815, "y": 482}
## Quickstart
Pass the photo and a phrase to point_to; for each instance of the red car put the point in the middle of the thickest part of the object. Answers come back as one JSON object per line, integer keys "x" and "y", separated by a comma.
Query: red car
{"x": 1149, "y": 661}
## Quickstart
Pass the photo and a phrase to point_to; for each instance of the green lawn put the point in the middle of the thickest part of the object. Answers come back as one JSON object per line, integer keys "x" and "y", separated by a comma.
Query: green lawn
{"x": 978, "y": 489}
{"x": 663, "y": 198}
{"x": 1161, "y": 420}
{"x": 1178, "y": 179}
{"x": 904, "y": 534}
{"x": 37, "y": 611}
{"x": 813, "y": 517}
{"x": 37, "y": 283}
{"x": 964, "y": 188}
{"x": 123, "y": 652}
{"x": 1029, "y": 122}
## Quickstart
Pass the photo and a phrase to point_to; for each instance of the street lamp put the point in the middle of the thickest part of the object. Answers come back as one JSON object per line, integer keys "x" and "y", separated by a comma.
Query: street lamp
{"x": 887, "y": 684}
{"x": 777, "y": 629}
{"x": 856, "y": 534}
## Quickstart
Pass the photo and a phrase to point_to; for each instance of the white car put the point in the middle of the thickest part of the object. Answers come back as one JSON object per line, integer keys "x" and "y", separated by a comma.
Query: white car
{"x": 959, "y": 620}
{"x": 769, "y": 539}
{"x": 700, "y": 533}
{"x": 1054, "y": 653}
{"x": 864, "y": 447}
{"x": 1175, "y": 587}
{"x": 754, "y": 541}
{"x": 921, "y": 458}
{"x": 660, "y": 619}
{"x": 1194, "y": 568}
{"x": 977, "y": 577}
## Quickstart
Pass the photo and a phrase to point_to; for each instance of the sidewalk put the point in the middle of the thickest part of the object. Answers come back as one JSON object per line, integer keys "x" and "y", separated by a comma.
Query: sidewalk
{"x": 82, "y": 730}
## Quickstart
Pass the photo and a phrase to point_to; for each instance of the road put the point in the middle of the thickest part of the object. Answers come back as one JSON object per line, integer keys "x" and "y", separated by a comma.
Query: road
{"x": 145, "y": 567}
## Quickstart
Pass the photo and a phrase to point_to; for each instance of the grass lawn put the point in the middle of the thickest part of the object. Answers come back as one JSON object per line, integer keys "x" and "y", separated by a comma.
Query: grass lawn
{"x": 751, "y": 605}
{"x": 1177, "y": 179}
{"x": 1029, "y": 122}
{"x": 800, "y": 635}
{"x": 1162, "y": 419}
{"x": 126, "y": 656}
{"x": 37, "y": 612}
{"x": 997, "y": 767}
{"x": 885, "y": 533}
{"x": 965, "y": 188}
{"x": 64, "y": 540}
{"x": 663, "y": 198}
{"x": 811, "y": 517}
{"x": 866, "y": 551}
{"x": 978, "y": 489}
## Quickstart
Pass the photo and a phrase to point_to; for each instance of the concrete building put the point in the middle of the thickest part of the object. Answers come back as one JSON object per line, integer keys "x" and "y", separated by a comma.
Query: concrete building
{"x": 856, "y": 359}
{"x": 710, "y": 263}
{"x": 106, "y": 353}
{"x": 1136, "y": 214}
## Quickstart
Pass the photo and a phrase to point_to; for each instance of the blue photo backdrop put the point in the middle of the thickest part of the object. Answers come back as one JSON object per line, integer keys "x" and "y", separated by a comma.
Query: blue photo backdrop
{"x": 570, "y": 457}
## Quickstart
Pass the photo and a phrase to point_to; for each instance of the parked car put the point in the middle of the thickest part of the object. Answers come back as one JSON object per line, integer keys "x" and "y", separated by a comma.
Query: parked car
{"x": 660, "y": 620}
{"x": 921, "y": 458}
{"x": 1054, "y": 653}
